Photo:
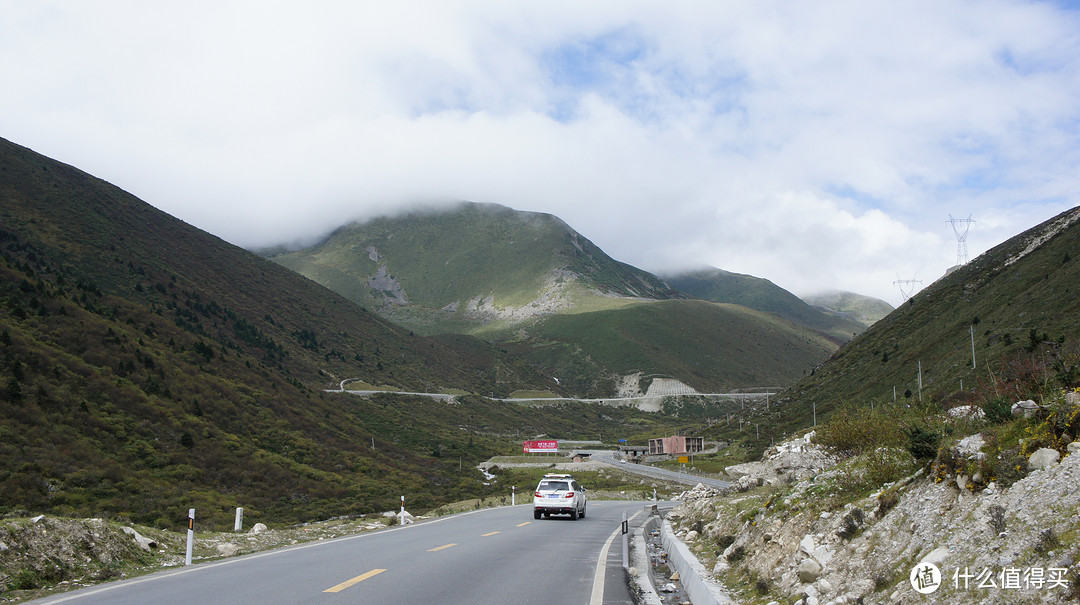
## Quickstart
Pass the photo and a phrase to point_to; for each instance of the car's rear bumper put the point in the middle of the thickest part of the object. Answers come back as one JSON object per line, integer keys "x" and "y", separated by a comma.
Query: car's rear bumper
{"x": 554, "y": 507}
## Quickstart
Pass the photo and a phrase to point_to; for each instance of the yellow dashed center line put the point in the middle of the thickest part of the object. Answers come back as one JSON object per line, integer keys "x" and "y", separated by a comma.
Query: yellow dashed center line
{"x": 356, "y": 580}
{"x": 492, "y": 533}
{"x": 524, "y": 524}
{"x": 443, "y": 547}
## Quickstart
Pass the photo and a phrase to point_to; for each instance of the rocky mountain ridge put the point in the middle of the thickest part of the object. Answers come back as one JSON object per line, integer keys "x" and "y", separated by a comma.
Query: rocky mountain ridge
{"x": 468, "y": 265}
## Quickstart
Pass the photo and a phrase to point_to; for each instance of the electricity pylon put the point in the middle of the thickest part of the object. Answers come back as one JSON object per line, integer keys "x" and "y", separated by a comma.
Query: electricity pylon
{"x": 961, "y": 238}
{"x": 907, "y": 286}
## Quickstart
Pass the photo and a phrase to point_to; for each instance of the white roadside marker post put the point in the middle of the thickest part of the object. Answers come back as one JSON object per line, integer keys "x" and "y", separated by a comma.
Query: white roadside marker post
{"x": 239, "y": 524}
{"x": 190, "y": 535}
{"x": 401, "y": 515}
{"x": 513, "y": 495}
{"x": 625, "y": 541}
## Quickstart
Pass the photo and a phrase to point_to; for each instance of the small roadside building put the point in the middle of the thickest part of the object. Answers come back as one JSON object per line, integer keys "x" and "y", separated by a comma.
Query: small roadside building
{"x": 676, "y": 444}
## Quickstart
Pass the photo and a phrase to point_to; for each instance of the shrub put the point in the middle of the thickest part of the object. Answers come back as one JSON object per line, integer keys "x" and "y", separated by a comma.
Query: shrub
{"x": 852, "y": 432}
{"x": 1046, "y": 542}
{"x": 998, "y": 411}
{"x": 887, "y": 500}
{"x": 737, "y": 554}
{"x": 851, "y": 523}
{"x": 887, "y": 464}
{"x": 922, "y": 443}
{"x": 997, "y": 519}
{"x": 881, "y": 582}
{"x": 761, "y": 585}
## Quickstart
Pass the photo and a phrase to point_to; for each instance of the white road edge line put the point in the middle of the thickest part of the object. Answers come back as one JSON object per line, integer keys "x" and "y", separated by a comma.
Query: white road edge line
{"x": 597, "y": 597}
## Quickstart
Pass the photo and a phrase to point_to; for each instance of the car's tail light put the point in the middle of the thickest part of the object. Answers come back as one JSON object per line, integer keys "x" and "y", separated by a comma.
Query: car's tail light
{"x": 537, "y": 495}
{"x": 569, "y": 495}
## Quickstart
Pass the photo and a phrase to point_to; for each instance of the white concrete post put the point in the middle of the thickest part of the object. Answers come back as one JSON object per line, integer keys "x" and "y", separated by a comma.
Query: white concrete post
{"x": 401, "y": 515}
{"x": 239, "y": 519}
{"x": 190, "y": 535}
{"x": 513, "y": 495}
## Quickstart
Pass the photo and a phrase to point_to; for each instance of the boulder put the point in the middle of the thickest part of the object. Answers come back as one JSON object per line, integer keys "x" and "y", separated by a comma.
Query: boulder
{"x": 747, "y": 482}
{"x": 822, "y": 553}
{"x": 936, "y": 557}
{"x": 971, "y": 447}
{"x": 258, "y": 528}
{"x": 228, "y": 549}
{"x": 1042, "y": 458}
{"x": 809, "y": 571}
{"x": 1025, "y": 408}
{"x": 962, "y": 482}
{"x": 143, "y": 542}
{"x": 1073, "y": 447}
{"x": 1072, "y": 398}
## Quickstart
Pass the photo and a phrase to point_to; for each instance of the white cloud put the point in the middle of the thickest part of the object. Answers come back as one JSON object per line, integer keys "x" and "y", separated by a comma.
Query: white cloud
{"x": 817, "y": 144}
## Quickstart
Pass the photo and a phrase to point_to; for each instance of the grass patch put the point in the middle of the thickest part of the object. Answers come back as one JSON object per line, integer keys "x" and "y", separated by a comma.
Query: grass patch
{"x": 525, "y": 394}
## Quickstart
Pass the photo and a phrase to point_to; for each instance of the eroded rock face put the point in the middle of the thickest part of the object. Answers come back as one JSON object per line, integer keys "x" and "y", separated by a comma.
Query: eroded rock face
{"x": 787, "y": 462}
{"x": 389, "y": 286}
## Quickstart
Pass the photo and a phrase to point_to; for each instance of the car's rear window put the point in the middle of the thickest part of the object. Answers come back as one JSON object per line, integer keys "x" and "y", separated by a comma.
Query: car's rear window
{"x": 561, "y": 486}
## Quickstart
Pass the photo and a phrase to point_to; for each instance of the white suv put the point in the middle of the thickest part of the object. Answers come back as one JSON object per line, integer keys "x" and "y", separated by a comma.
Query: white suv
{"x": 559, "y": 495}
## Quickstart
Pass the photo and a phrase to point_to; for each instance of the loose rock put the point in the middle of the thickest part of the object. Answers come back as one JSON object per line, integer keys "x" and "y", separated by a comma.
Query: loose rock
{"x": 809, "y": 571}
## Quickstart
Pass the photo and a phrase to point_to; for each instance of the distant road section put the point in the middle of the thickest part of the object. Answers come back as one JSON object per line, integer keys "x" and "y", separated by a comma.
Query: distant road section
{"x": 662, "y": 389}
{"x": 608, "y": 457}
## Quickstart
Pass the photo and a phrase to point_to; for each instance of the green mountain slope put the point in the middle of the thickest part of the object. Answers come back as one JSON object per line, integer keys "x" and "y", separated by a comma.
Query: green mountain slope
{"x": 539, "y": 289}
{"x": 865, "y": 310}
{"x": 711, "y": 347}
{"x": 721, "y": 286}
{"x": 1016, "y": 306}
{"x": 470, "y": 266}
{"x": 146, "y": 367}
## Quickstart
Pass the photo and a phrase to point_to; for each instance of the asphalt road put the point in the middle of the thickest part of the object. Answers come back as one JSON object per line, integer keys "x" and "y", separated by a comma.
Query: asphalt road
{"x": 493, "y": 556}
{"x": 608, "y": 457}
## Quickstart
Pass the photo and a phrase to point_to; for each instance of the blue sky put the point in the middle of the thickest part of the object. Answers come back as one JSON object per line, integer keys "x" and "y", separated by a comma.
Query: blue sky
{"x": 819, "y": 145}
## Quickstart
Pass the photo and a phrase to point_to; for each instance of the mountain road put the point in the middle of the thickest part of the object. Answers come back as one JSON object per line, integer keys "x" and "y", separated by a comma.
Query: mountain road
{"x": 491, "y": 556}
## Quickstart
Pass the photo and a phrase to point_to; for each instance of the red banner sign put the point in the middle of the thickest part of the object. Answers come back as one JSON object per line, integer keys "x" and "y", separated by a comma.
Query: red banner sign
{"x": 538, "y": 447}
